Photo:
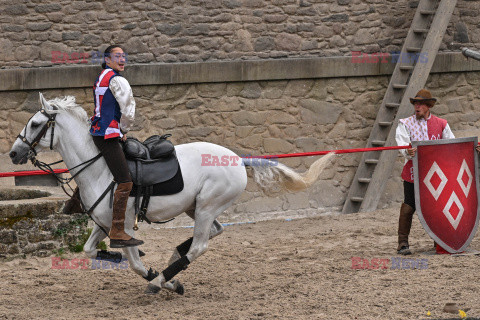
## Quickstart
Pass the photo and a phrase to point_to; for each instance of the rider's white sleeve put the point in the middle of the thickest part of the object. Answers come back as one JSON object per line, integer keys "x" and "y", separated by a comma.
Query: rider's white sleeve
{"x": 122, "y": 92}
{"x": 402, "y": 136}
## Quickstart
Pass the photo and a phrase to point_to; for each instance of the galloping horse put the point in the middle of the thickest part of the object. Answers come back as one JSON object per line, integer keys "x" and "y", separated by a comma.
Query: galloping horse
{"x": 63, "y": 126}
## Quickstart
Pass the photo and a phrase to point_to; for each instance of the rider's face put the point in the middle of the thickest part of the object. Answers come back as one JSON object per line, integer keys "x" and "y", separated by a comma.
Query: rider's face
{"x": 116, "y": 60}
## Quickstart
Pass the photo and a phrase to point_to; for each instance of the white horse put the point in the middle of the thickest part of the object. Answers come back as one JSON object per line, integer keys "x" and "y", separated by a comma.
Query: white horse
{"x": 208, "y": 191}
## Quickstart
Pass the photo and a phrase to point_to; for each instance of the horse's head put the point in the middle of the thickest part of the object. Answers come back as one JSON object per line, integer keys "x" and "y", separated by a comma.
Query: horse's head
{"x": 37, "y": 134}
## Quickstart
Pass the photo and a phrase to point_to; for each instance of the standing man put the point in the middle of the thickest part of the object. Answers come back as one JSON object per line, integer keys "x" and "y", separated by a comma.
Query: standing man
{"x": 419, "y": 127}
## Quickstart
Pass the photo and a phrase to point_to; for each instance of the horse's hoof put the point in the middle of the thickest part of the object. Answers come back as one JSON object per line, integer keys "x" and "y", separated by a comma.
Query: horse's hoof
{"x": 179, "y": 288}
{"x": 152, "y": 289}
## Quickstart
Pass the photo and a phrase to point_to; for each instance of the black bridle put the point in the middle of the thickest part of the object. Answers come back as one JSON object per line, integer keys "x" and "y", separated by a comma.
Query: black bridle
{"x": 42, "y": 133}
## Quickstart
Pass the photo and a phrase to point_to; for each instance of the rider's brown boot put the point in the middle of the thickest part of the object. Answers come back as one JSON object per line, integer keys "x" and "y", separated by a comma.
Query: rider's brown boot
{"x": 404, "y": 226}
{"x": 73, "y": 205}
{"x": 118, "y": 237}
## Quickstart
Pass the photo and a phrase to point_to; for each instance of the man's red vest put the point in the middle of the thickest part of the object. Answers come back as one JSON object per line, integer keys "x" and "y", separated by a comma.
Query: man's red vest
{"x": 420, "y": 132}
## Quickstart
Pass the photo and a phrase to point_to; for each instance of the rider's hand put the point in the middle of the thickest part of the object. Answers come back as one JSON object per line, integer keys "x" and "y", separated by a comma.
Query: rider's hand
{"x": 478, "y": 148}
{"x": 124, "y": 138}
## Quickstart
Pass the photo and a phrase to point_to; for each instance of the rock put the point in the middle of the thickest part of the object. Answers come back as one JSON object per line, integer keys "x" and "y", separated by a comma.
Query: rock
{"x": 16, "y": 10}
{"x": 46, "y": 8}
{"x": 319, "y": 112}
{"x": 288, "y": 42}
{"x": 461, "y": 33}
{"x": 273, "y": 145}
{"x": 39, "y": 26}
{"x": 251, "y": 90}
{"x": 245, "y": 118}
{"x": 193, "y": 104}
{"x": 211, "y": 90}
{"x": 169, "y": 29}
{"x": 7, "y": 237}
{"x": 264, "y": 44}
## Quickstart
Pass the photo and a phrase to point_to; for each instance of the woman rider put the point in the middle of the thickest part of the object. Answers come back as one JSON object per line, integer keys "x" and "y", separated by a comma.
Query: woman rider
{"x": 114, "y": 115}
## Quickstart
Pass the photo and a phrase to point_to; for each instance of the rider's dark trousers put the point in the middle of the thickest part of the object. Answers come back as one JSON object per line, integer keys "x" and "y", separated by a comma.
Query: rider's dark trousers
{"x": 113, "y": 153}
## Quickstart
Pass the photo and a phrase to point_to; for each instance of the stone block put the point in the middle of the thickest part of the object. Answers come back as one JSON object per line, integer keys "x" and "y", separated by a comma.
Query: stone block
{"x": 211, "y": 90}
{"x": 288, "y": 42}
{"x": 16, "y": 10}
{"x": 251, "y": 90}
{"x": 245, "y": 118}
{"x": 327, "y": 195}
{"x": 273, "y": 145}
{"x": 8, "y": 237}
{"x": 39, "y": 26}
{"x": 282, "y": 118}
{"x": 319, "y": 112}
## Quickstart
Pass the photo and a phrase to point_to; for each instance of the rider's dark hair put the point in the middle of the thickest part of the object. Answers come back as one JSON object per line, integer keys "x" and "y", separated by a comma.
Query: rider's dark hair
{"x": 107, "y": 53}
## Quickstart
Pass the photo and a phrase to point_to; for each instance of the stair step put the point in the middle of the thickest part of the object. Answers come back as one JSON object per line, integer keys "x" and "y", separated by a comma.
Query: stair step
{"x": 420, "y": 30}
{"x": 392, "y": 105}
{"x": 399, "y": 86}
{"x": 378, "y": 142}
{"x": 356, "y": 199}
{"x": 364, "y": 180}
{"x": 384, "y": 123}
{"x": 413, "y": 49}
{"x": 406, "y": 68}
{"x": 427, "y": 12}
{"x": 371, "y": 161}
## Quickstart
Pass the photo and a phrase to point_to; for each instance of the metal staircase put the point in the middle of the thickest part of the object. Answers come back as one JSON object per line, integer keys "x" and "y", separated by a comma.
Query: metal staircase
{"x": 409, "y": 76}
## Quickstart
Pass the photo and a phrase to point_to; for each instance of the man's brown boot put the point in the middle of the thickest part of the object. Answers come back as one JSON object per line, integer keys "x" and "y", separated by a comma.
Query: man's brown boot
{"x": 73, "y": 205}
{"x": 118, "y": 237}
{"x": 404, "y": 226}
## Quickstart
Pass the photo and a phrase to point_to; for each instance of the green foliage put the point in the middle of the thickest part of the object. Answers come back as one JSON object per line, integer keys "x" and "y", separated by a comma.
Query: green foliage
{"x": 78, "y": 245}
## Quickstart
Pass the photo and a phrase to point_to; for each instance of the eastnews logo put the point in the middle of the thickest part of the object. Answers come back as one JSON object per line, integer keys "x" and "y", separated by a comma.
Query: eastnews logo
{"x": 95, "y": 264}
{"x": 396, "y": 57}
{"x": 93, "y": 57}
{"x": 396, "y": 263}
{"x": 211, "y": 160}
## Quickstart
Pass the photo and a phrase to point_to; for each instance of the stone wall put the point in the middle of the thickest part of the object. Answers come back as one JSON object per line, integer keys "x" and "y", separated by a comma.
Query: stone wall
{"x": 272, "y": 117}
{"x": 206, "y": 30}
{"x": 35, "y": 226}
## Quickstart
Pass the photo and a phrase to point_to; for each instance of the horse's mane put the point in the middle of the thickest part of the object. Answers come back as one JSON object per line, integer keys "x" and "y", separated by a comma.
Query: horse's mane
{"x": 68, "y": 104}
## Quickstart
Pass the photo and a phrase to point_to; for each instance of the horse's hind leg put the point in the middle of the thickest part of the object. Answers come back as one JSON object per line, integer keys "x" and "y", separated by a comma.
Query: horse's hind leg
{"x": 182, "y": 249}
{"x": 205, "y": 216}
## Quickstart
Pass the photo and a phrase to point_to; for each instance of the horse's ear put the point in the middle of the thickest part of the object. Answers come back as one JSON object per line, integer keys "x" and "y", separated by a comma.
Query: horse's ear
{"x": 45, "y": 105}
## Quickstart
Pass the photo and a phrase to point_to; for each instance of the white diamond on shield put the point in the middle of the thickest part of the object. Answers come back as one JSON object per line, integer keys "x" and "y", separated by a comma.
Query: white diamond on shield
{"x": 446, "y": 211}
{"x": 443, "y": 180}
{"x": 464, "y": 169}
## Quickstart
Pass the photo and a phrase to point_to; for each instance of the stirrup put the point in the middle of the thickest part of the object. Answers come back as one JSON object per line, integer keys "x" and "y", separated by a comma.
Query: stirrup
{"x": 404, "y": 250}
{"x": 118, "y": 243}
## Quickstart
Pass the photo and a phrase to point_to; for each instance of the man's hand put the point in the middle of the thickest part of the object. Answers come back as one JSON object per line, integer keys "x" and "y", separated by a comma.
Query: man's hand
{"x": 124, "y": 138}
{"x": 478, "y": 148}
{"x": 411, "y": 152}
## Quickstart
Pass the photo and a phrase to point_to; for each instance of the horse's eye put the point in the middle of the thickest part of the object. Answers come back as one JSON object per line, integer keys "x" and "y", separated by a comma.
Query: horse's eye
{"x": 35, "y": 125}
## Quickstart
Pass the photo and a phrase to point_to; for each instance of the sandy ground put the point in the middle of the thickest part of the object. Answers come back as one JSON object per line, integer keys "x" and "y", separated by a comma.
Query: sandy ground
{"x": 298, "y": 269}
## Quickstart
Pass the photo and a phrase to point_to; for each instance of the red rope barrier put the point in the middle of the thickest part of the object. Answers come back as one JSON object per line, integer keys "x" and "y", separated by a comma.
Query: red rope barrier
{"x": 319, "y": 153}
{"x": 29, "y": 173}
{"x": 277, "y": 156}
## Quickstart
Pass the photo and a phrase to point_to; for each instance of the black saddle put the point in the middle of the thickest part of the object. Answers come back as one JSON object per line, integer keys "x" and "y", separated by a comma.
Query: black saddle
{"x": 154, "y": 168}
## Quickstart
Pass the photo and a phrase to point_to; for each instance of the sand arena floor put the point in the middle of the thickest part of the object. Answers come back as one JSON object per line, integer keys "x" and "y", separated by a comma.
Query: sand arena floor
{"x": 299, "y": 269}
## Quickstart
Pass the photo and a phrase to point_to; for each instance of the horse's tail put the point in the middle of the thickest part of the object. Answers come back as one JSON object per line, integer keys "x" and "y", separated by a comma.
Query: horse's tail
{"x": 274, "y": 177}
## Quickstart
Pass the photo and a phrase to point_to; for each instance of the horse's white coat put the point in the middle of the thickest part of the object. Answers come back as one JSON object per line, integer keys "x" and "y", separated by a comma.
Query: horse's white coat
{"x": 208, "y": 191}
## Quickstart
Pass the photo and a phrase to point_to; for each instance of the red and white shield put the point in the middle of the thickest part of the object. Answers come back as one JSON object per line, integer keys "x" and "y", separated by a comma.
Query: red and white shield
{"x": 446, "y": 190}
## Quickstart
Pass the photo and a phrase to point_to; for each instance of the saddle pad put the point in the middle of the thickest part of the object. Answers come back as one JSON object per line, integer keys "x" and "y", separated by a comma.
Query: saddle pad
{"x": 150, "y": 172}
{"x": 172, "y": 186}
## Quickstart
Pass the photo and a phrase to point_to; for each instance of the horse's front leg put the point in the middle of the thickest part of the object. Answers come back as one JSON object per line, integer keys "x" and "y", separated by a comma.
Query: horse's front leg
{"x": 90, "y": 246}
